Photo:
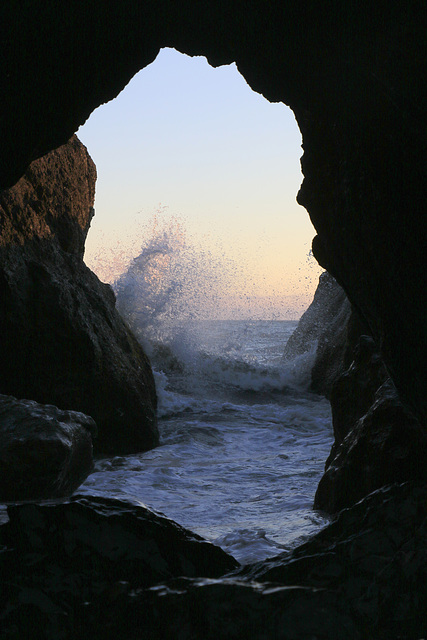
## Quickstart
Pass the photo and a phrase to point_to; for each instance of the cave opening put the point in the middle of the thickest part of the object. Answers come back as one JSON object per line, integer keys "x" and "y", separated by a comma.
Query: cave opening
{"x": 198, "y": 230}
{"x": 193, "y": 143}
{"x": 352, "y": 75}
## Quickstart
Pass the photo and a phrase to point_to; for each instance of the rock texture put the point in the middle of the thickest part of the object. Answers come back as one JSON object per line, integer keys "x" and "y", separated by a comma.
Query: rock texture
{"x": 325, "y": 327}
{"x": 386, "y": 444}
{"x": 354, "y": 391}
{"x": 62, "y": 340}
{"x": 377, "y": 440}
{"x": 44, "y": 452}
{"x": 69, "y": 563}
{"x": 369, "y": 566}
{"x": 102, "y": 568}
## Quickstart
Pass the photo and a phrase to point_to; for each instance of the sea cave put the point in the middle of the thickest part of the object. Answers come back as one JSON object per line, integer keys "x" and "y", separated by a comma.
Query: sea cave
{"x": 73, "y": 371}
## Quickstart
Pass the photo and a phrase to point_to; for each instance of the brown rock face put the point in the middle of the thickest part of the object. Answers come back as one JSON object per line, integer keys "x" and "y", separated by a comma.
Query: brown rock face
{"x": 62, "y": 340}
{"x": 53, "y": 200}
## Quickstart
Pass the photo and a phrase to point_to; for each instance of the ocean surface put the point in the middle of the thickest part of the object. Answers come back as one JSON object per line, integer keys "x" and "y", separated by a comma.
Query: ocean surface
{"x": 243, "y": 441}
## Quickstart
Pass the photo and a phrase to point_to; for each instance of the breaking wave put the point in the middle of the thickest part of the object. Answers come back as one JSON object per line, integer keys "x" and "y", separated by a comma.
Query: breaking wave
{"x": 243, "y": 441}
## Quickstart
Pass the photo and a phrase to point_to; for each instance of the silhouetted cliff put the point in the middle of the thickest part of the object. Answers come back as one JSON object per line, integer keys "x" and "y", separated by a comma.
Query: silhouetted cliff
{"x": 62, "y": 340}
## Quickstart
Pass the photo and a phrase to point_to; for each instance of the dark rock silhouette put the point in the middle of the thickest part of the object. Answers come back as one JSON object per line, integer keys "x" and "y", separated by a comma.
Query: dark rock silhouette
{"x": 354, "y": 391}
{"x": 62, "y": 340}
{"x": 369, "y": 565}
{"x": 384, "y": 444}
{"x": 44, "y": 452}
{"x": 377, "y": 440}
{"x": 104, "y": 568}
{"x": 64, "y": 566}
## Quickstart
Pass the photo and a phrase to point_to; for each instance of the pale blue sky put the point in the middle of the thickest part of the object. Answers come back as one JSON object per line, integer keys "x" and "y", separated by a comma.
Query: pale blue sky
{"x": 199, "y": 144}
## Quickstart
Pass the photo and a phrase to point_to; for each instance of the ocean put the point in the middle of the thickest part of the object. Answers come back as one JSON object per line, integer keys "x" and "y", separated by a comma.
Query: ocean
{"x": 243, "y": 441}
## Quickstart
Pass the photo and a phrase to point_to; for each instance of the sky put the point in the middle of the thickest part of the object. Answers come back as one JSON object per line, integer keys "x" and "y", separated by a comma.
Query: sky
{"x": 191, "y": 148}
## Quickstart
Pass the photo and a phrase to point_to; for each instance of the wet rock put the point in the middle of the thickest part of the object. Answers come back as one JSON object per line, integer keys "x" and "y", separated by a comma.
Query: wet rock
{"x": 373, "y": 558}
{"x": 387, "y": 444}
{"x": 330, "y": 326}
{"x": 235, "y": 609}
{"x": 89, "y": 569}
{"x": 323, "y": 327}
{"x": 44, "y": 452}
{"x": 70, "y": 563}
{"x": 377, "y": 438}
{"x": 113, "y": 540}
{"x": 353, "y": 392}
{"x": 62, "y": 339}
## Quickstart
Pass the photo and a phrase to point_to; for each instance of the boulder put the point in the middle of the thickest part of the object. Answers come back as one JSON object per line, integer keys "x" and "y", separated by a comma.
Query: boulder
{"x": 68, "y": 563}
{"x": 372, "y": 559}
{"x": 330, "y": 326}
{"x": 354, "y": 391}
{"x": 99, "y": 568}
{"x": 377, "y": 439}
{"x": 112, "y": 539}
{"x": 62, "y": 339}
{"x": 384, "y": 445}
{"x": 324, "y": 326}
{"x": 44, "y": 452}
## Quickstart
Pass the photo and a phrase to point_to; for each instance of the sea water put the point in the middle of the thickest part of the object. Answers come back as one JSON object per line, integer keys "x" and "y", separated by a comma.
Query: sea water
{"x": 242, "y": 440}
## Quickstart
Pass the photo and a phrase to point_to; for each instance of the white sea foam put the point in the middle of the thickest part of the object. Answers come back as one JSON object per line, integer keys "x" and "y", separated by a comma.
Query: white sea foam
{"x": 243, "y": 441}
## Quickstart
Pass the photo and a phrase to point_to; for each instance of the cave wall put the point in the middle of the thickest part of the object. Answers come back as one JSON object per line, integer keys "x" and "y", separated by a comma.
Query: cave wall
{"x": 352, "y": 73}
{"x": 62, "y": 340}
{"x": 377, "y": 440}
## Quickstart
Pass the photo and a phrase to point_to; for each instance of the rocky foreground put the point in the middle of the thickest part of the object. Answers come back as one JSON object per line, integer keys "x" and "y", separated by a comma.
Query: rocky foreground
{"x": 96, "y": 567}
{"x": 102, "y": 568}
